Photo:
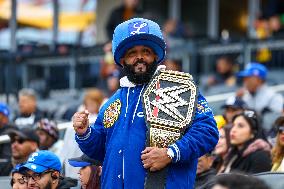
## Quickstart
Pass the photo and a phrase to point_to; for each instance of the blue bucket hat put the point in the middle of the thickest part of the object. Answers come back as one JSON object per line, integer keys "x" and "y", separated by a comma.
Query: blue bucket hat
{"x": 4, "y": 109}
{"x": 254, "y": 69}
{"x": 41, "y": 161}
{"x": 138, "y": 31}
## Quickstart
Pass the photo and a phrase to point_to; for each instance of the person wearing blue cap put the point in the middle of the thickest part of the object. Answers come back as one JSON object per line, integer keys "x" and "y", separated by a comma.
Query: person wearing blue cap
{"x": 259, "y": 96}
{"x": 42, "y": 171}
{"x": 118, "y": 137}
{"x": 89, "y": 173}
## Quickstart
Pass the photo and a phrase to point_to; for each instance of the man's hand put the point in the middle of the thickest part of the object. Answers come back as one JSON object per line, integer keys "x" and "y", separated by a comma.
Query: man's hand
{"x": 81, "y": 122}
{"x": 154, "y": 158}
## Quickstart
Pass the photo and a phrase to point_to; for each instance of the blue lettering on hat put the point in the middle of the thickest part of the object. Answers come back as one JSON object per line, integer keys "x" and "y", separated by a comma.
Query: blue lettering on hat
{"x": 138, "y": 28}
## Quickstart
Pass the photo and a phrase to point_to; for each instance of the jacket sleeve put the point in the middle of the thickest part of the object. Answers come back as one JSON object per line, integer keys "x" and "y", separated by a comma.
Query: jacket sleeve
{"x": 92, "y": 143}
{"x": 200, "y": 138}
{"x": 260, "y": 161}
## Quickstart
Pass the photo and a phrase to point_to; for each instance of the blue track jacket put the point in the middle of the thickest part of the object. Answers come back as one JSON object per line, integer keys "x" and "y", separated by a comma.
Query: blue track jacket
{"x": 118, "y": 137}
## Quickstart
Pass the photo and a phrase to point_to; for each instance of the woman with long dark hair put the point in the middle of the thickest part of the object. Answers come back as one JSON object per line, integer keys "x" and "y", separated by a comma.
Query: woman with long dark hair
{"x": 89, "y": 173}
{"x": 246, "y": 130}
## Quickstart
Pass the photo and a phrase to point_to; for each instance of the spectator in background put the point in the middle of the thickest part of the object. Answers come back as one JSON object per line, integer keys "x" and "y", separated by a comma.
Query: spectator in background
{"x": 129, "y": 9}
{"x": 113, "y": 82}
{"x": 204, "y": 171}
{"x": 278, "y": 150}
{"x": 23, "y": 143}
{"x": 5, "y": 148}
{"x": 275, "y": 26}
{"x": 238, "y": 181}
{"x": 28, "y": 112}
{"x": 224, "y": 73}
{"x": 93, "y": 100}
{"x": 245, "y": 131}
{"x": 89, "y": 173}
{"x": 233, "y": 105}
{"x": 172, "y": 65}
{"x": 258, "y": 96}
{"x": 42, "y": 170}
{"x": 48, "y": 134}
{"x": 221, "y": 149}
{"x": 17, "y": 180}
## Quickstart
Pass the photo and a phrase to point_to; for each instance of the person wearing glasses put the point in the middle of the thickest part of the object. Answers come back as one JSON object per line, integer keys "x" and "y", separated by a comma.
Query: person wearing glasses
{"x": 17, "y": 180}
{"x": 278, "y": 150}
{"x": 42, "y": 171}
{"x": 23, "y": 143}
{"x": 245, "y": 130}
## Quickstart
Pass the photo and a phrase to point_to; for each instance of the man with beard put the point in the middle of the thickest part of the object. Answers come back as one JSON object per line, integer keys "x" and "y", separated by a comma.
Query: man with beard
{"x": 42, "y": 171}
{"x": 118, "y": 137}
{"x": 23, "y": 143}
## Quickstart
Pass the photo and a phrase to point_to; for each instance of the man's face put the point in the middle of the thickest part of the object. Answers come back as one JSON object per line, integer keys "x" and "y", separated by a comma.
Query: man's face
{"x": 27, "y": 104}
{"x": 21, "y": 148}
{"x": 252, "y": 83}
{"x": 204, "y": 163}
{"x": 40, "y": 180}
{"x": 139, "y": 64}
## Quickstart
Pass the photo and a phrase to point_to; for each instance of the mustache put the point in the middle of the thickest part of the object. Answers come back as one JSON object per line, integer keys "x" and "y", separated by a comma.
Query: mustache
{"x": 139, "y": 62}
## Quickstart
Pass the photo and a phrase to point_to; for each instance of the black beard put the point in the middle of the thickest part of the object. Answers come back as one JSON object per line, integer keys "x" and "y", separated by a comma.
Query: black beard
{"x": 140, "y": 78}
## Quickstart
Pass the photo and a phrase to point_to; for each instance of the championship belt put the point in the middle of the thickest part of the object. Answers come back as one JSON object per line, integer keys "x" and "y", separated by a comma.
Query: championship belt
{"x": 169, "y": 105}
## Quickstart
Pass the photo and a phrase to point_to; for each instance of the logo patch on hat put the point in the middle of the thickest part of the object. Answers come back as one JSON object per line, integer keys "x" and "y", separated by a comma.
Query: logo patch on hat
{"x": 138, "y": 28}
{"x": 33, "y": 166}
{"x": 256, "y": 72}
{"x": 111, "y": 113}
{"x": 32, "y": 158}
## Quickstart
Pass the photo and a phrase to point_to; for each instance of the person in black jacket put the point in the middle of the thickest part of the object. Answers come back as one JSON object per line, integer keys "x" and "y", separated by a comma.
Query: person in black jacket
{"x": 204, "y": 172}
{"x": 245, "y": 131}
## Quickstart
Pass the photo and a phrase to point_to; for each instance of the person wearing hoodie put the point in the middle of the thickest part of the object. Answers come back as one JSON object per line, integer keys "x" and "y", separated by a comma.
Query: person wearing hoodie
{"x": 244, "y": 132}
{"x": 118, "y": 137}
{"x": 42, "y": 171}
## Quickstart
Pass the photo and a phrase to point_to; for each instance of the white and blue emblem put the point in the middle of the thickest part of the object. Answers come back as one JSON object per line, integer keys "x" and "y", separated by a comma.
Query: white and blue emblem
{"x": 32, "y": 157}
{"x": 138, "y": 28}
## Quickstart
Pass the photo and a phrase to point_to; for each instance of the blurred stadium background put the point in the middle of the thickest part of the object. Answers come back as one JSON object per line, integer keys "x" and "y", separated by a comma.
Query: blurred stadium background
{"x": 56, "y": 47}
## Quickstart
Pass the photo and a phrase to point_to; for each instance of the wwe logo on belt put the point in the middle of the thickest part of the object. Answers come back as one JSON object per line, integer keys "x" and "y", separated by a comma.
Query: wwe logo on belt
{"x": 138, "y": 28}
